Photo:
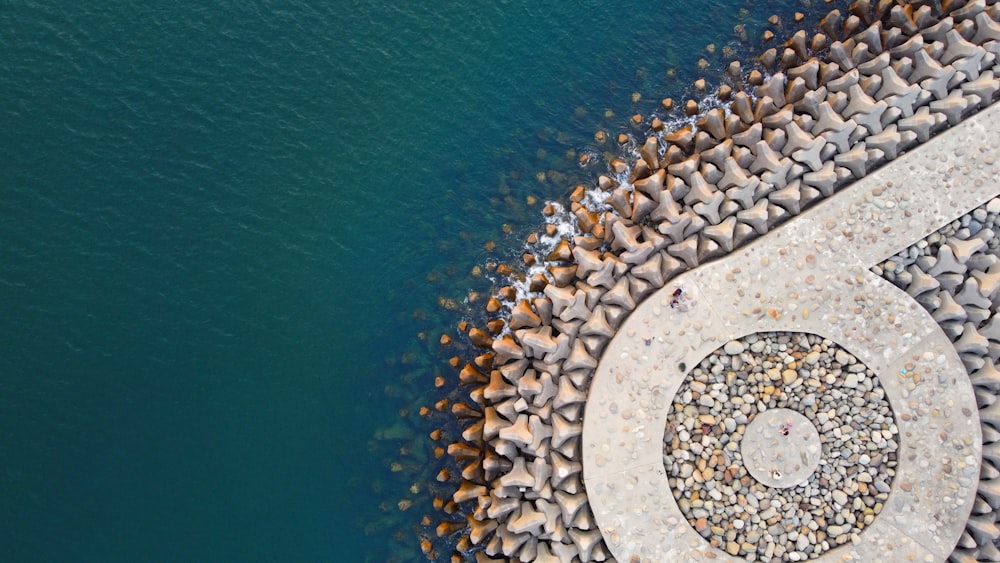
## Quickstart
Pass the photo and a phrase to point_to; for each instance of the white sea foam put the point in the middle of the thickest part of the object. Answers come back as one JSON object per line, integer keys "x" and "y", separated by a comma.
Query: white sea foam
{"x": 594, "y": 200}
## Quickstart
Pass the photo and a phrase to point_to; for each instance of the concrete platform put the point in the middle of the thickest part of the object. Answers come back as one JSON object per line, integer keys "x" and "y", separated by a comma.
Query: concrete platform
{"x": 810, "y": 275}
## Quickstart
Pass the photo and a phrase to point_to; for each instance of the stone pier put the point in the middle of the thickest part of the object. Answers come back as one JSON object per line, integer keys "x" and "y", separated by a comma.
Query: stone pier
{"x": 811, "y": 275}
{"x": 843, "y": 201}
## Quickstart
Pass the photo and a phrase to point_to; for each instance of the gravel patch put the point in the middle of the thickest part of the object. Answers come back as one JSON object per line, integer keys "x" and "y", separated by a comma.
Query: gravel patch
{"x": 722, "y": 396}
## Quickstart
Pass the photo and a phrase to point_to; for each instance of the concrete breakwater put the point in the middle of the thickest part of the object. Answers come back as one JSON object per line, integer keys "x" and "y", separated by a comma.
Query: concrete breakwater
{"x": 879, "y": 81}
{"x": 813, "y": 276}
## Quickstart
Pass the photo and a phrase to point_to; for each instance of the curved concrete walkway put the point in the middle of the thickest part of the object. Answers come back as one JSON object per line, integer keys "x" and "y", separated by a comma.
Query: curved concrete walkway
{"x": 810, "y": 275}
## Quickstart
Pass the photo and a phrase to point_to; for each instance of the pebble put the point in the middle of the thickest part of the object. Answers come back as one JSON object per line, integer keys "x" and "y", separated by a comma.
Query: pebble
{"x": 843, "y": 358}
{"x": 733, "y": 347}
{"x": 788, "y": 376}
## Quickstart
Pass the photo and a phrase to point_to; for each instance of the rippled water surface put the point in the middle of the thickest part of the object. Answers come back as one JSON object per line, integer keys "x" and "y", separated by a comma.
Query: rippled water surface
{"x": 231, "y": 234}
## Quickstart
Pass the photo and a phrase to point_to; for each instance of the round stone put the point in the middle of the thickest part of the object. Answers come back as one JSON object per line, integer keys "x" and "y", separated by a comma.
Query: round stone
{"x": 733, "y": 347}
{"x": 781, "y": 448}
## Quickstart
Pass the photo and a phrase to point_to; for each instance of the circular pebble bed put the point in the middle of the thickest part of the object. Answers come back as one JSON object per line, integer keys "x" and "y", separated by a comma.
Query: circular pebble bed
{"x": 713, "y": 415}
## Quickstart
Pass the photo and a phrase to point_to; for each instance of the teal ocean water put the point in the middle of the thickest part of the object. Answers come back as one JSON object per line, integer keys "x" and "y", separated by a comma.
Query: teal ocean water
{"x": 227, "y": 230}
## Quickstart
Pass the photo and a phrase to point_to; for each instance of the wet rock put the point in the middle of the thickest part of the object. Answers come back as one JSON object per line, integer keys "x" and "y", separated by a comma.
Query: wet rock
{"x": 506, "y": 349}
{"x": 808, "y": 72}
{"x": 650, "y": 152}
{"x": 713, "y": 123}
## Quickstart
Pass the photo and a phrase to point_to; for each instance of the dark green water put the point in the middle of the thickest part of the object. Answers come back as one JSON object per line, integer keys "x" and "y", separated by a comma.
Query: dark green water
{"x": 223, "y": 225}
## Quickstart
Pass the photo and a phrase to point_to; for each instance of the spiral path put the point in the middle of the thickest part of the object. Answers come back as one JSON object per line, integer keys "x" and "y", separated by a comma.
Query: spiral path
{"x": 810, "y": 276}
